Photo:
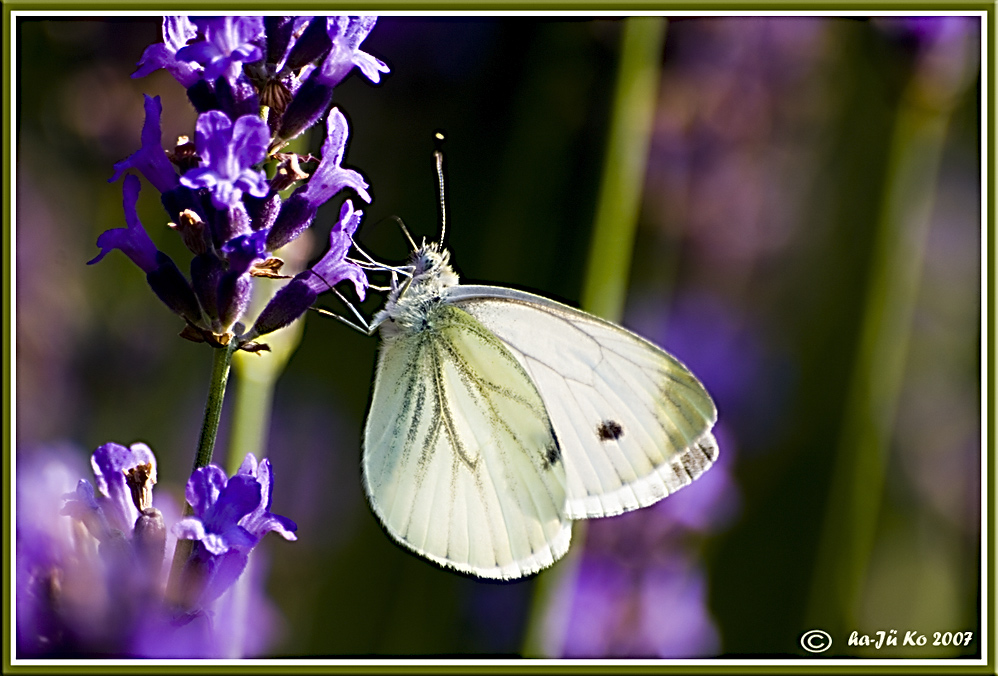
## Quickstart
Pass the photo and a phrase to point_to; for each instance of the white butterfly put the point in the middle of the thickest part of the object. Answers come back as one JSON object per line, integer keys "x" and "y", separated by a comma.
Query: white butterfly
{"x": 499, "y": 416}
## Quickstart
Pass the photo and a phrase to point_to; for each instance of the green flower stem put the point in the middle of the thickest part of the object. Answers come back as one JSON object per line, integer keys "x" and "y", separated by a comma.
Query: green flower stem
{"x": 609, "y": 265}
{"x": 220, "y": 366}
{"x": 221, "y": 362}
{"x": 857, "y": 484}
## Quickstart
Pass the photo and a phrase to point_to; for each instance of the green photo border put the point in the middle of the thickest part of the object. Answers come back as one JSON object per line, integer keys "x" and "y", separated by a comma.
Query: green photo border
{"x": 315, "y": 666}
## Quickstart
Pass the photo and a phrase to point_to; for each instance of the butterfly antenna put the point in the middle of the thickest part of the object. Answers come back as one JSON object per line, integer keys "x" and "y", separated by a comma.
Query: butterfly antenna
{"x": 438, "y": 156}
{"x": 405, "y": 231}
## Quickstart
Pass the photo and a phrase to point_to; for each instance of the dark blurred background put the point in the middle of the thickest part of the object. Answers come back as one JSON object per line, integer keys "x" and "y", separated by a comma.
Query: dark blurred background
{"x": 778, "y": 158}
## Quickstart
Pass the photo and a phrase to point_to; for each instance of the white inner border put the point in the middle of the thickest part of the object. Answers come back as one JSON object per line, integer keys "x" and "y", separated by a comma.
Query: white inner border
{"x": 985, "y": 631}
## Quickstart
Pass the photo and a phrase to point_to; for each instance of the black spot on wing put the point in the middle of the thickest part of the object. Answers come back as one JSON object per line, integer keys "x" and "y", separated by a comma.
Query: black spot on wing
{"x": 609, "y": 430}
{"x": 552, "y": 454}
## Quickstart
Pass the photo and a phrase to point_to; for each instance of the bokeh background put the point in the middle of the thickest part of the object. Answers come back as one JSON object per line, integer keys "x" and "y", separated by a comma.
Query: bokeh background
{"x": 809, "y": 244}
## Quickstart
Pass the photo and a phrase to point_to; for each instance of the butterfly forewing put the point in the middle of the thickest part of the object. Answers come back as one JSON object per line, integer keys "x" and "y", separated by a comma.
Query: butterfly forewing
{"x": 632, "y": 422}
{"x": 460, "y": 460}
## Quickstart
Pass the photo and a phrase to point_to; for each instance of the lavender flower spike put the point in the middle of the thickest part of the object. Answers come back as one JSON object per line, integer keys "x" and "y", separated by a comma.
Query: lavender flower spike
{"x": 133, "y": 240}
{"x": 177, "y": 32}
{"x": 228, "y": 45}
{"x": 150, "y": 160}
{"x": 229, "y": 152}
{"x": 346, "y": 34}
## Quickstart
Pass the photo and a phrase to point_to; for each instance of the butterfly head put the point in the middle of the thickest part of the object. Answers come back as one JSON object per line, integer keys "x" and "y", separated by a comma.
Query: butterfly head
{"x": 409, "y": 305}
{"x": 431, "y": 267}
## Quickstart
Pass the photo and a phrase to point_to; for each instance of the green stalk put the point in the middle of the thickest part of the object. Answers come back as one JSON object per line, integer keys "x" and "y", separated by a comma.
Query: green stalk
{"x": 857, "y": 485}
{"x": 608, "y": 269}
{"x": 220, "y": 365}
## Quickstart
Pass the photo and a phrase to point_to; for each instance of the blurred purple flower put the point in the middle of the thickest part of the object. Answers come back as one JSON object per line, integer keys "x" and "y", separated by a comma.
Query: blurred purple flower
{"x": 81, "y": 590}
{"x": 90, "y": 577}
{"x": 654, "y": 611}
{"x": 177, "y": 32}
{"x": 729, "y": 168}
{"x": 230, "y": 41}
{"x": 229, "y": 152}
{"x": 150, "y": 160}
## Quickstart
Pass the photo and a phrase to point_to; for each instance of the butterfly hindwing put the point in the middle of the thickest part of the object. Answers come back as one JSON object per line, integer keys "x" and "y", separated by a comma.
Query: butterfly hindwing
{"x": 632, "y": 422}
{"x": 460, "y": 460}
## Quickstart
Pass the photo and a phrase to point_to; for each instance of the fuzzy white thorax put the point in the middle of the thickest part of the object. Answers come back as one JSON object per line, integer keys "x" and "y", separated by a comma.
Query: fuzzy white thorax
{"x": 408, "y": 304}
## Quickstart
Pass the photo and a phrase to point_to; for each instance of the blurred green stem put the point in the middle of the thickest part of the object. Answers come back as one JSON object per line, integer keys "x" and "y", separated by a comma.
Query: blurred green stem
{"x": 622, "y": 184}
{"x": 257, "y": 375}
{"x": 253, "y": 396}
{"x": 608, "y": 269}
{"x": 857, "y": 484}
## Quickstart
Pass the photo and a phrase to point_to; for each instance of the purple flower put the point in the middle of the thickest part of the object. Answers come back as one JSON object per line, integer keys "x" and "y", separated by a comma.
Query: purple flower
{"x": 218, "y": 506}
{"x": 334, "y": 267}
{"x": 241, "y": 251}
{"x": 346, "y": 34}
{"x": 132, "y": 240}
{"x": 177, "y": 32}
{"x": 229, "y": 152}
{"x": 292, "y": 300}
{"x": 150, "y": 160}
{"x": 229, "y": 43}
{"x": 260, "y": 521}
{"x": 329, "y": 177}
{"x": 230, "y": 518}
{"x": 112, "y": 464}
{"x": 224, "y": 207}
{"x": 166, "y": 280}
